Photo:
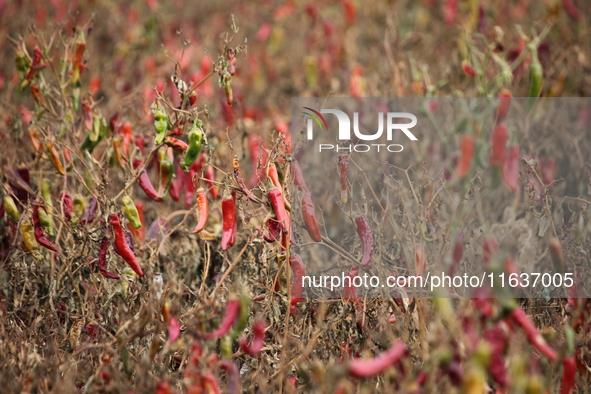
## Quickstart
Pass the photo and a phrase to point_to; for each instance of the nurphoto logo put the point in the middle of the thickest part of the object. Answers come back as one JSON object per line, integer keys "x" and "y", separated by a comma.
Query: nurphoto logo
{"x": 344, "y": 132}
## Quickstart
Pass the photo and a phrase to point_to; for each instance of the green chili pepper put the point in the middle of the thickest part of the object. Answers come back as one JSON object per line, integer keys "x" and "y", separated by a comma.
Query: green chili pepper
{"x": 79, "y": 205}
{"x": 46, "y": 222}
{"x": 166, "y": 174}
{"x": 536, "y": 75}
{"x": 196, "y": 137}
{"x": 131, "y": 212}
{"x": 94, "y": 137}
{"x": 10, "y": 208}
{"x": 161, "y": 123}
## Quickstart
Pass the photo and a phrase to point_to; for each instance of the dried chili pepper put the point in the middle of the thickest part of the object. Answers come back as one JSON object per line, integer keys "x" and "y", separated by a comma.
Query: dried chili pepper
{"x": 11, "y": 209}
{"x": 145, "y": 183}
{"x": 67, "y": 205}
{"x": 366, "y": 239}
{"x": 102, "y": 260}
{"x": 520, "y": 317}
{"x": 203, "y": 210}
{"x": 569, "y": 374}
{"x": 309, "y": 216}
{"x": 161, "y": 123}
{"x": 29, "y": 239}
{"x": 297, "y": 289}
{"x": 499, "y": 140}
{"x": 273, "y": 173}
{"x": 35, "y": 138}
{"x": 127, "y": 137}
{"x": 466, "y": 154}
{"x": 240, "y": 181}
{"x": 176, "y": 144}
{"x": 232, "y": 312}
{"x": 122, "y": 247}
{"x": 368, "y": 368}
{"x": 90, "y": 212}
{"x": 258, "y": 339}
{"x": 511, "y": 167}
{"x": 274, "y": 229}
{"x": 229, "y": 220}
{"x": 166, "y": 175}
{"x": 344, "y": 175}
{"x": 54, "y": 157}
{"x": 131, "y": 212}
{"x": 118, "y": 152}
{"x": 504, "y": 104}
{"x": 34, "y": 67}
{"x": 38, "y": 229}
{"x": 276, "y": 198}
{"x": 196, "y": 138}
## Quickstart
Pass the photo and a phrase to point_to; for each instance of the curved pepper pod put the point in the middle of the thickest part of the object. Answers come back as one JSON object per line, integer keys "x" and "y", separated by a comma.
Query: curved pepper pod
{"x": 232, "y": 312}
{"x": 366, "y": 239}
{"x": 131, "y": 212}
{"x": 122, "y": 247}
{"x": 229, "y": 223}
{"x": 145, "y": 183}
{"x": 298, "y": 269}
{"x": 309, "y": 216}
{"x": 374, "y": 366}
{"x": 203, "y": 210}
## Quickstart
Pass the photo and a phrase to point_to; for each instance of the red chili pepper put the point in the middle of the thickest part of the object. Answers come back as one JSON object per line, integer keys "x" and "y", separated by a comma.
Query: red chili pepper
{"x": 125, "y": 129}
{"x": 186, "y": 179}
{"x": 258, "y": 339}
{"x": 278, "y": 205}
{"x": 40, "y": 234}
{"x": 274, "y": 175}
{"x": 298, "y": 177}
{"x": 176, "y": 144}
{"x": 240, "y": 181}
{"x": 467, "y": 68}
{"x": 569, "y": 374}
{"x": 309, "y": 216}
{"x": 466, "y": 154}
{"x": 122, "y": 247}
{"x": 533, "y": 336}
{"x": 166, "y": 175}
{"x": 203, "y": 210}
{"x": 504, "y": 104}
{"x": 233, "y": 376}
{"x": 229, "y": 220}
{"x": 368, "y": 368}
{"x": 344, "y": 174}
{"x": 232, "y": 312}
{"x": 496, "y": 336}
{"x": 297, "y": 289}
{"x": 145, "y": 183}
{"x": 274, "y": 229}
{"x": 571, "y": 9}
{"x": 499, "y": 140}
{"x": 511, "y": 167}
{"x": 210, "y": 384}
{"x": 102, "y": 260}
{"x": 366, "y": 239}
{"x": 67, "y": 205}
